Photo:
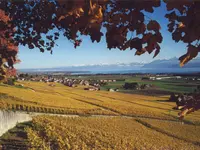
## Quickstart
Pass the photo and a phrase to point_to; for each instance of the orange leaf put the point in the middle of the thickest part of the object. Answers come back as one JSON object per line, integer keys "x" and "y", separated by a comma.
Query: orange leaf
{"x": 192, "y": 53}
{"x": 140, "y": 52}
{"x": 181, "y": 25}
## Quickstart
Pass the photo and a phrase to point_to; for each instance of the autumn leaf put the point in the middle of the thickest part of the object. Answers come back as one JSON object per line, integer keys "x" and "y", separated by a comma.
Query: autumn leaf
{"x": 41, "y": 42}
{"x": 176, "y": 36}
{"x": 96, "y": 36}
{"x": 49, "y": 37}
{"x": 171, "y": 26}
{"x": 151, "y": 44}
{"x": 42, "y": 50}
{"x": 56, "y": 34}
{"x": 140, "y": 52}
{"x": 153, "y": 25}
{"x": 192, "y": 52}
{"x": 10, "y": 62}
{"x": 146, "y": 37}
{"x": 30, "y": 46}
{"x": 181, "y": 25}
{"x": 158, "y": 37}
{"x": 141, "y": 28}
{"x": 171, "y": 16}
{"x": 157, "y": 51}
{"x": 136, "y": 43}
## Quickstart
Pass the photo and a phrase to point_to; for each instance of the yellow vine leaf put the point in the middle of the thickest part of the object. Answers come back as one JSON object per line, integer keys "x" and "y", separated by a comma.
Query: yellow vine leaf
{"x": 181, "y": 25}
{"x": 192, "y": 53}
{"x": 184, "y": 60}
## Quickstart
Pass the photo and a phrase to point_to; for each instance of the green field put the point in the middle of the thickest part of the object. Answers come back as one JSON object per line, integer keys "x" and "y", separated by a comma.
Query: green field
{"x": 165, "y": 86}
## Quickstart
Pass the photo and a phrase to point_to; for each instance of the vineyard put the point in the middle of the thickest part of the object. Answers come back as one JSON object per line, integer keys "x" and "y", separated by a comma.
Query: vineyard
{"x": 107, "y": 120}
{"x": 107, "y": 133}
{"x": 60, "y": 99}
{"x": 39, "y": 97}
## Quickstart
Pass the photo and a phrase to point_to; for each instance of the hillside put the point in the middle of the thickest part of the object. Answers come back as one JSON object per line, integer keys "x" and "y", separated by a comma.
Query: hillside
{"x": 79, "y": 101}
{"x": 107, "y": 120}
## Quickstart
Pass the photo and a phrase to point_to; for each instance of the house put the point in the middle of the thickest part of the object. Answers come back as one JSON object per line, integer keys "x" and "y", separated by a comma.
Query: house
{"x": 92, "y": 88}
{"x": 111, "y": 90}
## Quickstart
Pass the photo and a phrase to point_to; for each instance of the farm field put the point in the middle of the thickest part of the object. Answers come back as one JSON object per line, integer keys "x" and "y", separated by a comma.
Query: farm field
{"x": 165, "y": 86}
{"x": 160, "y": 87}
{"x": 108, "y": 120}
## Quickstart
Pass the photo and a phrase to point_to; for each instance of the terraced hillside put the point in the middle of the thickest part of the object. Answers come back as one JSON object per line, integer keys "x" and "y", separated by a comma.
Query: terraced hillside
{"x": 109, "y": 133}
{"x": 117, "y": 121}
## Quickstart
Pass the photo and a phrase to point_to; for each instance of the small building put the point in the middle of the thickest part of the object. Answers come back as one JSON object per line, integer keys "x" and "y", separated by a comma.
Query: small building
{"x": 111, "y": 90}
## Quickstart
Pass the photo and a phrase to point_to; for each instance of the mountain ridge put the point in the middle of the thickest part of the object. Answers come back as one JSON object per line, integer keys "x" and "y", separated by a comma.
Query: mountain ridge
{"x": 156, "y": 64}
{"x": 172, "y": 63}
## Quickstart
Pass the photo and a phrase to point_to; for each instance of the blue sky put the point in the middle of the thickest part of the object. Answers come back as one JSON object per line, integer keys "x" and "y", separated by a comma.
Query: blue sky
{"x": 97, "y": 53}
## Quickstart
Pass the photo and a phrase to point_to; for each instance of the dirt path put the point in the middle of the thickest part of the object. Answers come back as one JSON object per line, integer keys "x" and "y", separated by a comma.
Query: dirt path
{"x": 32, "y": 114}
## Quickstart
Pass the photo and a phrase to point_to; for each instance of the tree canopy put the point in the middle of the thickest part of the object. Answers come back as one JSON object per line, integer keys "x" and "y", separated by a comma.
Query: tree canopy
{"x": 39, "y": 23}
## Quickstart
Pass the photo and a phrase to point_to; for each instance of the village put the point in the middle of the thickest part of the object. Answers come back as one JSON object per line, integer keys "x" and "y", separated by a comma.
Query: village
{"x": 92, "y": 85}
{"x": 112, "y": 83}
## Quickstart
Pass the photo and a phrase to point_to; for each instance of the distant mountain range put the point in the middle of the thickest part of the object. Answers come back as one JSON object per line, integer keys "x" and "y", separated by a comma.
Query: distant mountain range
{"x": 85, "y": 68}
{"x": 170, "y": 64}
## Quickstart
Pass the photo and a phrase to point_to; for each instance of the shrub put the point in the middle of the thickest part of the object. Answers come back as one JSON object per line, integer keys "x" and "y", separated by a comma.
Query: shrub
{"x": 131, "y": 86}
{"x": 37, "y": 109}
{"x": 9, "y": 106}
{"x": 21, "y": 107}
{"x": 17, "y": 107}
{"x": 10, "y": 81}
{"x": 13, "y": 107}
